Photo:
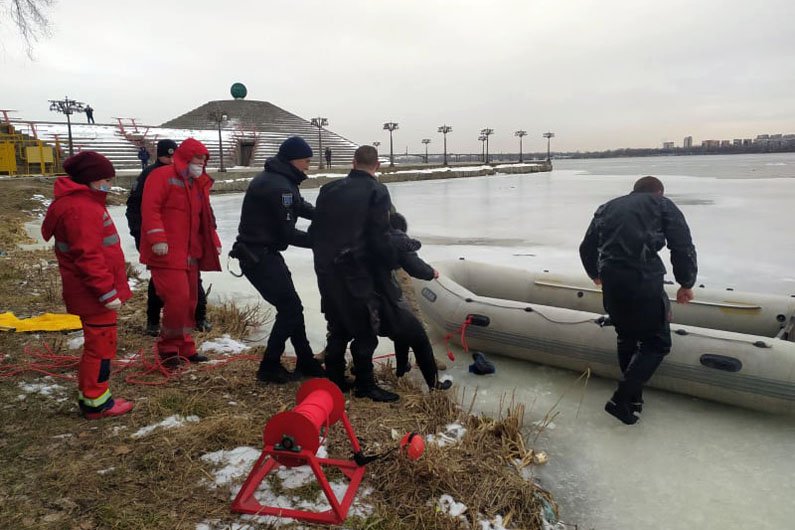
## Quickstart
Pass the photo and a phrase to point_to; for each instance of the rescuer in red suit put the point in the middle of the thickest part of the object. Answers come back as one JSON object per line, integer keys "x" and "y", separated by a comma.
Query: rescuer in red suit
{"x": 93, "y": 273}
{"x": 178, "y": 239}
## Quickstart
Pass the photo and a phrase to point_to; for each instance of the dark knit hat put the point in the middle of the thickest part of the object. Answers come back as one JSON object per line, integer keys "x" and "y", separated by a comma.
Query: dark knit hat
{"x": 295, "y": 148}
{"x": 88, "y": 166}
{"x": 166, "y": 148}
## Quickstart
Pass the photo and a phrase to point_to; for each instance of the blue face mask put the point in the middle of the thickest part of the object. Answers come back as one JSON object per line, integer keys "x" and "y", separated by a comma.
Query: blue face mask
{"x": 105, "y": 188}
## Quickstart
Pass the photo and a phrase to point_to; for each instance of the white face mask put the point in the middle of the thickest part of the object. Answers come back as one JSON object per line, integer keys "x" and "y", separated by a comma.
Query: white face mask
{"x": 195, "y": 170}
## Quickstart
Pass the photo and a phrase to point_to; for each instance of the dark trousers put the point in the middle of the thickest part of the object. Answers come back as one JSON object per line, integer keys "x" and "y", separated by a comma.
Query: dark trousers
{"x": 154, "y": 304}
{"x": 352, "y": 316}
{"x": 640, "y": 311}
{"x": 272, "y": 279}
{"x": 362, "y": 347}
{"x": 411, "y": 334}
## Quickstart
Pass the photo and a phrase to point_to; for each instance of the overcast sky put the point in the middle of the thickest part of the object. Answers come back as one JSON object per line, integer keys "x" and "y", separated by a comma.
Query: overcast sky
{"x": 598, "y": 73}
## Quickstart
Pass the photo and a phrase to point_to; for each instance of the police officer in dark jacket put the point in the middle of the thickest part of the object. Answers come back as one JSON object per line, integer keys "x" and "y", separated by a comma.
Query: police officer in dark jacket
{"x": 398, "y": 321}
{"x": 350, "y": 239}
{"x": 165, "y": 152}
{"x": 271, "y": 206}
{"x": 620, "y": 253}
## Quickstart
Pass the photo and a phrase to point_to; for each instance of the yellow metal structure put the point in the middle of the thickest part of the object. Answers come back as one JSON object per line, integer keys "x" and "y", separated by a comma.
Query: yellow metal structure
{"x": 8, "y": 158}
{"x": 21, "y": 153}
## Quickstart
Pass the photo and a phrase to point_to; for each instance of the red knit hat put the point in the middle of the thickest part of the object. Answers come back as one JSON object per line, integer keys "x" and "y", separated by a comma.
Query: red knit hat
{"x": 88, "y": 166}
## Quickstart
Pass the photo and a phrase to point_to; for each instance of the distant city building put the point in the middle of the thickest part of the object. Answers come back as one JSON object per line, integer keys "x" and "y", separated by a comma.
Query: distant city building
{"x": 725, "y": 143}
{"x": 710, "y": 144}
{"x": 738, "y": 142}
{"x": 668, "y": 145}
{"x": 688, "y": 142}
{"x": 747, "y": 142}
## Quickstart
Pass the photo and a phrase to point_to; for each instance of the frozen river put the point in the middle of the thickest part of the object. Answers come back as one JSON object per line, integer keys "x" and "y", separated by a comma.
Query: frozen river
{"x": 689, "y": 463}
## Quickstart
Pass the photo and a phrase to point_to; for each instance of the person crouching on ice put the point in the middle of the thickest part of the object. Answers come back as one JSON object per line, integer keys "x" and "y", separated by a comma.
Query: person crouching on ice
{"x": 178, "y": 239}
{"x": 93, "y": 273}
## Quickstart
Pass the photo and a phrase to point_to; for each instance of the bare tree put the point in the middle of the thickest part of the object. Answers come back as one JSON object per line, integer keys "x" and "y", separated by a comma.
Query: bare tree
{"x": 30, "y": 17}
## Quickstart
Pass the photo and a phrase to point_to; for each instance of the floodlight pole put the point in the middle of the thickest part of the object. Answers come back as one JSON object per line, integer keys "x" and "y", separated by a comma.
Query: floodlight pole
{"x": 320, "y": 123}
{"x": 548, "y": 136}
{"x": 444, "y": 129}
{"x": 486, "y": 133}
{"x": 391, "y": 126}
{"x": 520, "y": 134}
{"x": 219, "y": 118}
{"x": 67, "y": 106}
{"x": 426, "y": 141}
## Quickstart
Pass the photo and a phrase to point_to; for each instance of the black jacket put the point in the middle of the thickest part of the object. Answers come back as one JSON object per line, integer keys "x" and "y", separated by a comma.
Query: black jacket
{"x": 271, "y": 206}
{"x": 133, "y": 212}
{"x": 627, "y": 232}
{"x": 351, "y": 224}
{"x": 350, "y": 240}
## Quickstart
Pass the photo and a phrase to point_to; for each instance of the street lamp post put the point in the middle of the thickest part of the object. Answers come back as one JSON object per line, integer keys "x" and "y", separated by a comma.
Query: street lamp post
{"x": 444, "y": 129}
{"x": 482, "y": 139}
{"x": 548, "y": 136}
{"x": 320, "y": 123}
{"x": 391, "y": 126}
{"x": 67, "y": 106}
{"x": 219, "y": 118}
{"x": 486, "y": 133}
{"x": 520, "y": 134}
{"x": 426, "y": 141}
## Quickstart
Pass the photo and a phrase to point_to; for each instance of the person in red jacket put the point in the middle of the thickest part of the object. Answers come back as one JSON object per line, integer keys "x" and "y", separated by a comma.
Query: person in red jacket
{"x": 178, "y": 239}
{"x": 93, "y": 273}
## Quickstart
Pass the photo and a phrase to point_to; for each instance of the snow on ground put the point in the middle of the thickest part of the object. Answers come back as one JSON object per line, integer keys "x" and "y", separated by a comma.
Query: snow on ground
{"x": 232, "y": 468}
{"x": 133, "y": 283}
{"x": 76, "y": 342}
{"x": 225, "y": 345}
{"x": 453, "y": 432}
{"x": 45, "y": 203}
{"x": 43, "y": 387}
{"x": 172, "y": 422}
{"x": 243, "y": 179}
{"x": 442, "y": 169}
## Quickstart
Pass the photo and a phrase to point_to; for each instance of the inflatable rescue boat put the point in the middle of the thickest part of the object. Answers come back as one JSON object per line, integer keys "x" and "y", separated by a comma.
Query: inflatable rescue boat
{"x": 728, "y": 346}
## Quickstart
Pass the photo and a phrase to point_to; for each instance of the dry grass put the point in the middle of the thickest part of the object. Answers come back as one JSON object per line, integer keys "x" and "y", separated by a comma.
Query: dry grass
{"x": 51, "y": 458}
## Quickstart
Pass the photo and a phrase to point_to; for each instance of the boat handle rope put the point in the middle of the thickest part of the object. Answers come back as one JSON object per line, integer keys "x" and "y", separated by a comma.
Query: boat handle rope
{"x": 758, "y": 343}
{"x": 722, "y": 305}
{"x": 526, "y": 309}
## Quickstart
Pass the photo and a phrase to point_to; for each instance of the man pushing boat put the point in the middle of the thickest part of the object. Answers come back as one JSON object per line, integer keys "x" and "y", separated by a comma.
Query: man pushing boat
{"x": 619, "y": 252}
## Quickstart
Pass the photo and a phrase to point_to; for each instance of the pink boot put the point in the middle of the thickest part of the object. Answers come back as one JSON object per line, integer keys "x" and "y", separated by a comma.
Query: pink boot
{"x": 120, "y": 406}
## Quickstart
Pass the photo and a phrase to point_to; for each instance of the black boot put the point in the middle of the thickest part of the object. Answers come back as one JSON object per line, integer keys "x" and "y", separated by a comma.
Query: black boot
{"x": 367, "y": 388}
{"x": 203, "y": 325}
{"x": 274, "y": 372}
{"x": 152, "y": 329}
{"x": 198, "y": 358}
{"x": 442, "y": 385}
{"x": 621, "y": 410}
{"x": 309, "y": 367}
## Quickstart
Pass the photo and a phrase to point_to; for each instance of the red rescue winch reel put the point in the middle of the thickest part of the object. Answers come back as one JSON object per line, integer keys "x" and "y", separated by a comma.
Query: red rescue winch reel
{"x": 291, "y": 439}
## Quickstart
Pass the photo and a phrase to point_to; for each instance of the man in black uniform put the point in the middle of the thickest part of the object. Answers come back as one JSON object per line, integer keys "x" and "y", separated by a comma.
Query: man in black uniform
{"x": 619, "y": 253}
{"x": 271, "y": 206}
{"x": 165, "y": 152}
{"x": 350, "y": 238}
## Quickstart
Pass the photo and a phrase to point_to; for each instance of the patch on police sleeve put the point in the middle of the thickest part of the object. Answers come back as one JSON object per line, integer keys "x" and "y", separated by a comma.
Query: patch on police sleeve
{"x": 287, "y": 199}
